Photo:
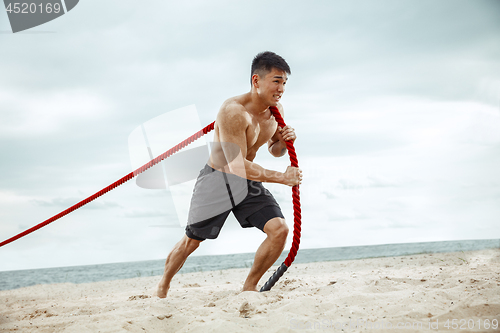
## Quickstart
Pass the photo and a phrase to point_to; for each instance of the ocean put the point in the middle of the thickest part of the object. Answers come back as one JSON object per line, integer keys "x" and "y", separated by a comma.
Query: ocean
{"x": 126, "y": 270}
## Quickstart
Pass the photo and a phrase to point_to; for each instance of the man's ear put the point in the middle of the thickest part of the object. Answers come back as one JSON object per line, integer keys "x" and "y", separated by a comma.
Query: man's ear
{"x": 255, "y": 80}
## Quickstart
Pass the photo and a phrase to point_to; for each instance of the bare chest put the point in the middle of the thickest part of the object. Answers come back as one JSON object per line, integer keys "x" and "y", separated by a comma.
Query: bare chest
{"x": 258, "y": 133}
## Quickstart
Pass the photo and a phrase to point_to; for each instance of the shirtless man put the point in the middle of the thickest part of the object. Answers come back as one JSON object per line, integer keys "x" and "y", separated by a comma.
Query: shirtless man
{"x": 246, "y": 122}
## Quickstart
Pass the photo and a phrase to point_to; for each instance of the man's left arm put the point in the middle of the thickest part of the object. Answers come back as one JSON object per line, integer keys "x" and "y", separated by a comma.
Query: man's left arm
{"x": 277, "y": 145}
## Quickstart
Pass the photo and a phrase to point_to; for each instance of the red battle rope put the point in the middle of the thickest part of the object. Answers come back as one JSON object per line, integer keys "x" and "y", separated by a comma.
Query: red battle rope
{"x": 296, "y": 212}
{"x": 120, "y": 181}
{"x": 295, "y": 189}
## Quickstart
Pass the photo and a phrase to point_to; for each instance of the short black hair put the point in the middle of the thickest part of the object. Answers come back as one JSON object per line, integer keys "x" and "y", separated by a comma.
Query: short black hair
{"x": 264, "y": 62}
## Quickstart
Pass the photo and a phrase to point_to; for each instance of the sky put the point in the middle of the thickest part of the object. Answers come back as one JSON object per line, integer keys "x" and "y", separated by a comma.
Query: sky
{"x": 396, "y": 106}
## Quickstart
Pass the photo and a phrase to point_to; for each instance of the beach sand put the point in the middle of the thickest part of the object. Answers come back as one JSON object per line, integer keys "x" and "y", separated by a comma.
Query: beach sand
{"x": 351, "y": 296}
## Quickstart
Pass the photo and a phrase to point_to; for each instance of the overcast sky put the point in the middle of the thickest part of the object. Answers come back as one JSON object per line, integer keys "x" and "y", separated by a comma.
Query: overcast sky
{"x": 396, "y": 105}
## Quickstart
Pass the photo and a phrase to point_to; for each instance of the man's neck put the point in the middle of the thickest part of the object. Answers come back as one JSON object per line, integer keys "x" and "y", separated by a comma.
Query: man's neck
{"x": 255, "y": 106}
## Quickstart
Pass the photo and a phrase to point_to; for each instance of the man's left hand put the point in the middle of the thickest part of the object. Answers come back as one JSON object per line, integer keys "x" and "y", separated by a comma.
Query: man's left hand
{"x": 288, "y": 133}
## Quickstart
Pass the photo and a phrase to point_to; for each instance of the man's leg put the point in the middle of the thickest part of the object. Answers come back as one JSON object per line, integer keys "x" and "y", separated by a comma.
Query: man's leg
{"x": 268, "y": 252}
{"x": 174, "y": 262}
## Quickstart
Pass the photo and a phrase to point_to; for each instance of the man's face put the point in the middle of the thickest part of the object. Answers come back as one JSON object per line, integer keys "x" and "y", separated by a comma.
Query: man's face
{"x": 272, "y": 86}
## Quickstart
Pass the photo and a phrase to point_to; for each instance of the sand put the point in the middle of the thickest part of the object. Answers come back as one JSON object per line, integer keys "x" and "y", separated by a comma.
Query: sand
{"x": 425, "y": 292}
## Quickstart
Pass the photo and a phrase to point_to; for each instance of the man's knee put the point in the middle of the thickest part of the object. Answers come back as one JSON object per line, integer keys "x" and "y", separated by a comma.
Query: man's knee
{"x": 190, "y": 244}
{"x": 276, "y": 228}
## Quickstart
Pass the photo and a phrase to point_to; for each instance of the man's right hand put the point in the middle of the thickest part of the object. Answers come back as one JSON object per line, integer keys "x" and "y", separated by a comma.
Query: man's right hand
{"x": 292, "y": 176}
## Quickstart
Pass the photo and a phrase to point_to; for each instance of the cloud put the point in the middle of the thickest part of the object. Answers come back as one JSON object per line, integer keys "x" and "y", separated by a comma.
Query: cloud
{"x": 367, "y": 182}
{"x": 348, "y": 216}
{"x": 329, "y": 195}
{"x": 11, "y": 198}
{"x": 142, "y": 213}
{"x": 29, "y": 114}
{"x": 68, "y": 202}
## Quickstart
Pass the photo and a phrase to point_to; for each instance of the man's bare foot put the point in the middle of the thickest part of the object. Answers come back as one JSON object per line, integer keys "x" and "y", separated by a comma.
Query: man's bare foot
{"x": 250, "y": 288}
{"x": 161, "y": 292}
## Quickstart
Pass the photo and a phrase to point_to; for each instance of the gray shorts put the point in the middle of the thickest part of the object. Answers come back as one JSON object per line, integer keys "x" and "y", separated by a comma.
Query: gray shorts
{"x": 216, "y": 194}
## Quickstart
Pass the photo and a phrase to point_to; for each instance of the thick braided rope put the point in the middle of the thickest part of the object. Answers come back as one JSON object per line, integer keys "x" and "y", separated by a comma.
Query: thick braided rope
{"x": 296, "y": 213}
{"x": 120, "y": 181}
{"x": 295, "y": 193}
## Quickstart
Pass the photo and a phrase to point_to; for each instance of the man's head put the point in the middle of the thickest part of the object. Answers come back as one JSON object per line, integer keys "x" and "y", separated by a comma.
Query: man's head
{"x": 264, "y": 62}
{"x": 269, "y": 75}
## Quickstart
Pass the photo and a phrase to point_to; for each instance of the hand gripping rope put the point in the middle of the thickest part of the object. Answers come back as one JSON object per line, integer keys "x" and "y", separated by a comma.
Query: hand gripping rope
{"x": 296, "y": 198}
